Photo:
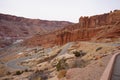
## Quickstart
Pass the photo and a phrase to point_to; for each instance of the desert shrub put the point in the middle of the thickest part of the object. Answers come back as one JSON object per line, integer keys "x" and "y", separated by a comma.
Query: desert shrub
{"x": 26, "y": 70}
{"x": 18, "y": 72}
{"x": 99, "y": 48}
{"x": 76, "y": 53}
{"x": 61, "y": 74}
{"x": 61, "y": 65}
{"x": 79, "y": 53}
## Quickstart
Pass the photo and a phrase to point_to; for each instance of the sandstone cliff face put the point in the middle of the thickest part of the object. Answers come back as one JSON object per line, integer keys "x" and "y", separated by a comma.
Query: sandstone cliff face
{"x": 87, "y": 29}
{"x": 100, "y": 20}
{"x": 12, "y": 27}
{"x": 92, "y": 27}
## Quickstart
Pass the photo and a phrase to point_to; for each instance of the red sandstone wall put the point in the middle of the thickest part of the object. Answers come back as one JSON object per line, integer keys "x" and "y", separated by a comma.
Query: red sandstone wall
{"x": 87, "y": 28}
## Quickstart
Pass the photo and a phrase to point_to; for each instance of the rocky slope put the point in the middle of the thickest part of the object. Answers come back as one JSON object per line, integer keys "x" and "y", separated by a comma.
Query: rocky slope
{"x": 12, "y": 27}
{"x": 89, "y": 28}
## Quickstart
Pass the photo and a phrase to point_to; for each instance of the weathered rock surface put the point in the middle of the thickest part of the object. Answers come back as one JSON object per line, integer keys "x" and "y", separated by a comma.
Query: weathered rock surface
{"x": 88, "y": 28}
{"x": 12, "y": 27}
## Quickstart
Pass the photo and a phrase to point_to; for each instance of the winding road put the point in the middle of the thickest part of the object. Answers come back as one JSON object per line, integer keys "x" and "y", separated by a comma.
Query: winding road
{"x": 64, "y": 50}
{"x": 13, "y": 64}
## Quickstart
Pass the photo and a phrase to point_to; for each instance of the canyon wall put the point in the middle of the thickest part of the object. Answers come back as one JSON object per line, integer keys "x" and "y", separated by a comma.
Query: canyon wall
{"x": 13, "y": 28}
{"x": 89, "y": 27}
{"x": 86, "y": 29}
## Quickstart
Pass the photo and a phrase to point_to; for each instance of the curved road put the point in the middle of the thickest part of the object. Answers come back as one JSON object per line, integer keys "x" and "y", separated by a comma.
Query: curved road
{"x": 13, "y": 64}
{"x": 64, "y": 50}
{"x": 112, "y": 71}
{"x": 116, "y": 69}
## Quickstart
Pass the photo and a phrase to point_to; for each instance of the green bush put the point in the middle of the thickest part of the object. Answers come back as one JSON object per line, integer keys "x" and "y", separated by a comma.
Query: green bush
{"x": 18, "y": 72}
{"x": 79, "y": 53}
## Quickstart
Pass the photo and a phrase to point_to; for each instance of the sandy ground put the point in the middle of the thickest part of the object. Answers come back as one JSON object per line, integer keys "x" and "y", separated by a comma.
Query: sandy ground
{"x": 92, "y": 72}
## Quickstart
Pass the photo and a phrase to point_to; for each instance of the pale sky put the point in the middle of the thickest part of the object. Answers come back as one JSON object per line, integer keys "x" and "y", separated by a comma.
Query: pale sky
{"x": 67, "y": 10}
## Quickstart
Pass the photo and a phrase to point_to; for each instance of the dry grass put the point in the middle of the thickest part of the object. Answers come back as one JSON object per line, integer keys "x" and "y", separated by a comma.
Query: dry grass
{"x": 92, "y": 49}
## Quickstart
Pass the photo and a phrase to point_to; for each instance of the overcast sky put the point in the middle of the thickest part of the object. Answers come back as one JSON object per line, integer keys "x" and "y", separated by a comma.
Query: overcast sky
{"x": 68, "y": 10}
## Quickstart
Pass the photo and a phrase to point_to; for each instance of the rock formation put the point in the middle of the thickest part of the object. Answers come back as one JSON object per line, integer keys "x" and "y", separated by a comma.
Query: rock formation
{"x": 88, "y": 28}
{"x": 12, "y": 27}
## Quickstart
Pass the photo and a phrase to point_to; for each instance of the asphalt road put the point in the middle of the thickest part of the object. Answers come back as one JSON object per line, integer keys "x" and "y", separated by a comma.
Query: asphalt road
{"x": 116, "y": 69}
{"x": 13, "y": 64}
{"x": 64, "y": 50}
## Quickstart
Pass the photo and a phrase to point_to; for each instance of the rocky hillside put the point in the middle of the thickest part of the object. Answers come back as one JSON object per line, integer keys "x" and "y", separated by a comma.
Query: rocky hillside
{"x": 12, "y": 27}
{"x": 89, "y": 28}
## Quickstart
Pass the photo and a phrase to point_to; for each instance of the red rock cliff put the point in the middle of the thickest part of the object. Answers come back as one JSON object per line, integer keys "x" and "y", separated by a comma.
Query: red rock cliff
{"x": 86, "y": 29}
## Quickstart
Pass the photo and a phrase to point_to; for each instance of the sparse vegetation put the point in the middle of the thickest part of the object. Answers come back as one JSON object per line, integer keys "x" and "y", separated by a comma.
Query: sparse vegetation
{"x": 79, "y": 53}
{"x": 61, "y": 65}
{"x": 99, "y": 48}
{"x": 19, "y": 72}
